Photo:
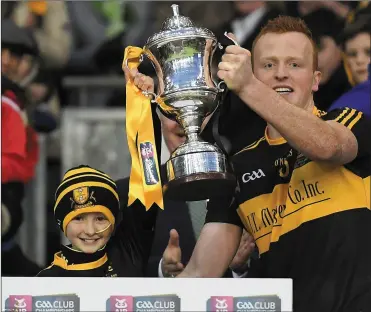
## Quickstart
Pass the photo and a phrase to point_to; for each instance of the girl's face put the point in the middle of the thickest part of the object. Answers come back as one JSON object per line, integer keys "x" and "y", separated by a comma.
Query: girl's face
{"x": 82, "y": 232}
{"x": 357, "y": 51}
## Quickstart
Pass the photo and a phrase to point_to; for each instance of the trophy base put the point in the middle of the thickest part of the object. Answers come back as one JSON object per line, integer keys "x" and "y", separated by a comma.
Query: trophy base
{"x": 198, "y": 176}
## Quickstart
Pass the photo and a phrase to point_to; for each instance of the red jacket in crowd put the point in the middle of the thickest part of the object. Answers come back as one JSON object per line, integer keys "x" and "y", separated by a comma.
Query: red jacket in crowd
{"x": 19, "y": 143}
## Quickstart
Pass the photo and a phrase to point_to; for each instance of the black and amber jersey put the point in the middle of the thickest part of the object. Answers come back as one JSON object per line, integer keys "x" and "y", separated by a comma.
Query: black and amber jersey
{"x": 125, "y": 255}
{"x": 311, "y": 220}
{"x": 238, "y": 124}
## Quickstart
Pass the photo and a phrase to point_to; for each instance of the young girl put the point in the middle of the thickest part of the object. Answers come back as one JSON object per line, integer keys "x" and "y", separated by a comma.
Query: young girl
{"x": 86, "y": 209}
{"x": 355, "y": 42}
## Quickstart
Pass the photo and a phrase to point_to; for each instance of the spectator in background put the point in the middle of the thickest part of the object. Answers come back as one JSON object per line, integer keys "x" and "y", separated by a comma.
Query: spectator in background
{"x": 355, "y": 42}
{"x": 7, "y": 9}
{"x": 101, "y": 30}
{"x": 248, "y": 18}
{"x": 50, "y": 24}
{"x": 340, "y": 8}
{"x": 92, "y": 24}
{"x": 19, "y": 146}
{"x": 325, "y": 19}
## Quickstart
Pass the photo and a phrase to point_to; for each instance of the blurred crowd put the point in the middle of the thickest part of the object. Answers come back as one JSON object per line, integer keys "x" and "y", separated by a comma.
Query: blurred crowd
{"x": 42, "y": 42}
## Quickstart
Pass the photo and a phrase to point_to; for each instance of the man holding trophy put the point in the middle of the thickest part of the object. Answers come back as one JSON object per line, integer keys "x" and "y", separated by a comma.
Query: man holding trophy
{"x": 303, "y": 188}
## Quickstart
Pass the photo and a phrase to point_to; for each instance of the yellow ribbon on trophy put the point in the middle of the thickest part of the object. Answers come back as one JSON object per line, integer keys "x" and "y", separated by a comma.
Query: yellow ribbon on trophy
{"x": 145, "y": 181}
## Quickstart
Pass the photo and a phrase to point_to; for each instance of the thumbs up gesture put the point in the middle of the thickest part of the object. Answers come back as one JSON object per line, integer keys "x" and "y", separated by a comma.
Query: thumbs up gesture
{"x": 247, "y": 245}
{"x": 171, "y": 264}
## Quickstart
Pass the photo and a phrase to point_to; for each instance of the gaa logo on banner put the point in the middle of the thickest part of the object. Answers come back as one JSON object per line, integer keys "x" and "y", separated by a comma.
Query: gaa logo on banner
{"x": 26, "y": 303}
{"x": 149, "y": 163}
{"x": 163, "y": 303}
{"x": 244, "y": 304}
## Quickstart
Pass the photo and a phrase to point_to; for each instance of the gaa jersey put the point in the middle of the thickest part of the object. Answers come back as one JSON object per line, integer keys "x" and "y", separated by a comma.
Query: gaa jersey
{"x": 311, "y": 220}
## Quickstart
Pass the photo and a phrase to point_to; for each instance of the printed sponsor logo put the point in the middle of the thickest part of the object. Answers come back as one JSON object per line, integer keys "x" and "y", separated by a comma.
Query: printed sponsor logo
{"x": 149, "y": 164}
{"x": 49, "y": 303}
{"x": 156, "y": 303}
{"x": 20, "y": 303}
{"x": 120, "y": 303}
{"x": 220, "y": 304}
{"x": 244, "y": 304}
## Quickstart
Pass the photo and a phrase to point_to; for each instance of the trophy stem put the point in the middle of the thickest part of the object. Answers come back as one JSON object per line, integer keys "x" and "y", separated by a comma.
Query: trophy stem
{"x": 191, "y": 121}
{"x": 192, "y": 137}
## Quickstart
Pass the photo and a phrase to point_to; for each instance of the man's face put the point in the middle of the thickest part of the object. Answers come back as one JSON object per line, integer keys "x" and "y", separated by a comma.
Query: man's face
{"x": 173, "y": 133}
{"x": 357, "y": 51}
{"x": 284, "y": 62}
{"x": 81, "y": 232}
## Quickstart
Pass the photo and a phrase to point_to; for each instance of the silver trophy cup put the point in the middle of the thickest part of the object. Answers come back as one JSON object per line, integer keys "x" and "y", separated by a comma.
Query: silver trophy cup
{"x": 182, "y": 55}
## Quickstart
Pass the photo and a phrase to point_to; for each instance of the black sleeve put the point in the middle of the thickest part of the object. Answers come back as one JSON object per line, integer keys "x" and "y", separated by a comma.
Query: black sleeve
{"x": 135, "y": 227}
{"x": 223, "y": 210}
{"x": 255, "y": 269}
{"x": 357, "y": 122}
{"x": 152, "y": 267}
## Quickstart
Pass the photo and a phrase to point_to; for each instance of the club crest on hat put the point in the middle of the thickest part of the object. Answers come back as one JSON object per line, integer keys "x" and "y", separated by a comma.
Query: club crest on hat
{"x": 81, "y": 198}
{"x": 81, "y": 195}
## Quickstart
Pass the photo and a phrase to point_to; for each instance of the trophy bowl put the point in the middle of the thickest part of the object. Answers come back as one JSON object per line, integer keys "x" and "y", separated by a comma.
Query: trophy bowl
{"x": 182, "y": 56}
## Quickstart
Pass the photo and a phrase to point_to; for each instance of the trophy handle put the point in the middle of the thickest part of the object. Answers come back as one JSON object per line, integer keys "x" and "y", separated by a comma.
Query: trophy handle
{"x": 221, "y": 48}
{"x": 145, "y": 93}
{"x": 234, "y": 41}
{"x": 221, "y": 82}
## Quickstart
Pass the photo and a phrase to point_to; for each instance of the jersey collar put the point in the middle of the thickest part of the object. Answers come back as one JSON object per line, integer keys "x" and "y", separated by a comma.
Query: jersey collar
{"x": 70, "y": 259}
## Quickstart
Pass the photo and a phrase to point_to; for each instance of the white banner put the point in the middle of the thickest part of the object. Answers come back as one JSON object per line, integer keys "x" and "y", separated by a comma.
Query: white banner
{"x": 45, "y": 294}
